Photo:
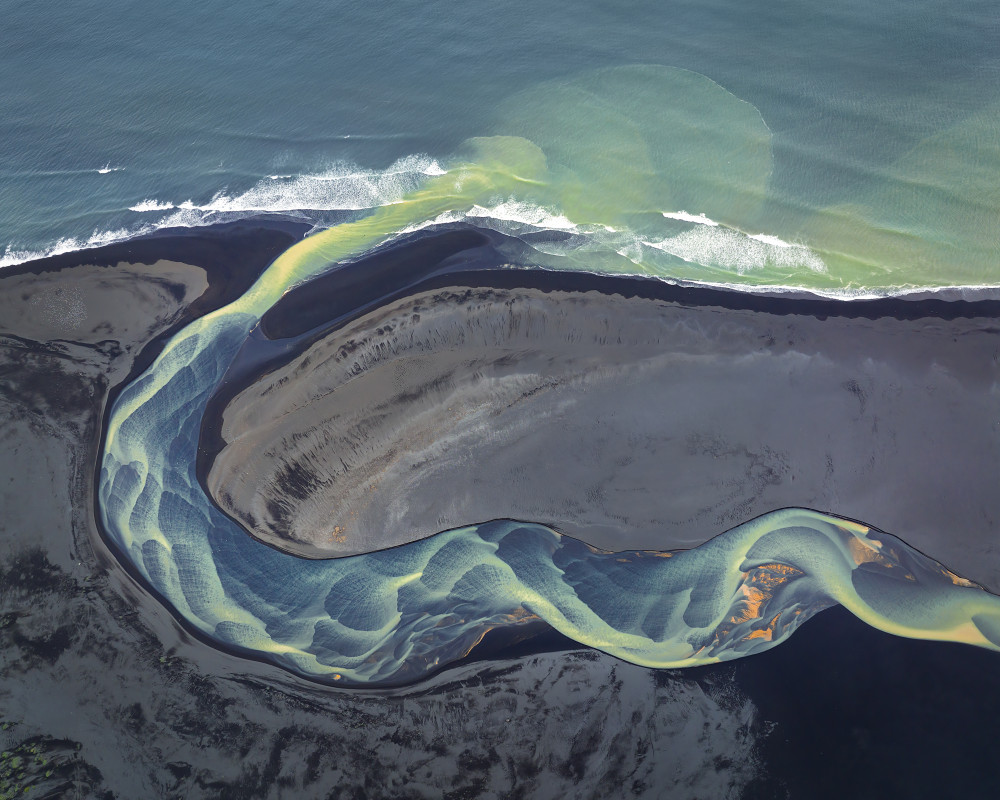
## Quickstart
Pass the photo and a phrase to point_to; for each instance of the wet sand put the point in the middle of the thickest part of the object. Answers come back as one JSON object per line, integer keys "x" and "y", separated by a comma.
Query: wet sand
{"x": 105, "y": 694}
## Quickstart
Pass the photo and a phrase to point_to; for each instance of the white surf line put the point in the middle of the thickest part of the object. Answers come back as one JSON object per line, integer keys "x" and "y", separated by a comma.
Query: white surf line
{"x": 683, "y": 216}
{"x": 151, "y": 205}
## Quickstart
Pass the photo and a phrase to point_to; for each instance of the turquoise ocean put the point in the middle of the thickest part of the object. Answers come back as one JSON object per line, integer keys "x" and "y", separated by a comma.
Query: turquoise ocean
{"x": 849, "y": 148}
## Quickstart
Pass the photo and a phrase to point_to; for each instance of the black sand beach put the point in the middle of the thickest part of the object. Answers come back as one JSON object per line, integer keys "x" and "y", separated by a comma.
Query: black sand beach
{"x": 622, "y": 411}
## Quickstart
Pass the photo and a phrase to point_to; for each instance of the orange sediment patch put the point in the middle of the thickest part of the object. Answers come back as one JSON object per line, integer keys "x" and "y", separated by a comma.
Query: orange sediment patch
{"x": 338, "y": 534}
{"x": 958, "y": 580}
{"x": 766, "y": 633}
{"x": 867, "y": 552}
{"x": 757, "y": 588}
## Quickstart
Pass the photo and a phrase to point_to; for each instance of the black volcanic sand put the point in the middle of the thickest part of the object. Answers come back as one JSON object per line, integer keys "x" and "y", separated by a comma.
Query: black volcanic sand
{"x": 104, "y": 694}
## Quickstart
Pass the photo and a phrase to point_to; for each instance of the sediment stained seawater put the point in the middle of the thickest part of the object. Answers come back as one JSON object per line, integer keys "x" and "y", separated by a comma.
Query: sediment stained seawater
{"x": 657, "y": 171}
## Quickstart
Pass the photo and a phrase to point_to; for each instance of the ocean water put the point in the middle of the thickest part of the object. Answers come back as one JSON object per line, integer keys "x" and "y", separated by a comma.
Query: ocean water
{"x": 852, "y": 149}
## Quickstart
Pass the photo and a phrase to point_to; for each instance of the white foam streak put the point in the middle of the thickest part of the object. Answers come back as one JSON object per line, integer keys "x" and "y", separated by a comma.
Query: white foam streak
{"x": 971, "y": 292}
{"x": 709, "y": 244}
{"x": 71, "y": 244}
{"x": 340, "y": 188}
{"x": 523, "y": 213}
{"x": 151, "y": 205}
{"x": 510, "y": 217}
{"x": 771, "y": 240}
{"x": 698, "y": 219}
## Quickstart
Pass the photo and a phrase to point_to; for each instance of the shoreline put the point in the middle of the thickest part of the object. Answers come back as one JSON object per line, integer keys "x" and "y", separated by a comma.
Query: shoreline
{"x": 444, "y": 256}
{"x": 139, "y": 246}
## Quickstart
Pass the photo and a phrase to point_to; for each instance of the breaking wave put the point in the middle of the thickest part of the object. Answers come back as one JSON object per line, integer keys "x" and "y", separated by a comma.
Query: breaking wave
{"x": 656, "y": 171}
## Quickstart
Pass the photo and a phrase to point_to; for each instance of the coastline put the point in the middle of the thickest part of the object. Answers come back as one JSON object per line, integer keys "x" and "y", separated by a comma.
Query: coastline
{"x": 84, "y": 642}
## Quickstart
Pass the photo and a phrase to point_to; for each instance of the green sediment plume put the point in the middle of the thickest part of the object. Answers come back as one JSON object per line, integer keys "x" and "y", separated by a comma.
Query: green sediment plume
{"x": 933, "y": 219}
{"x": 660, "y": 171}
{"x": 606, "y": 155}
{"x": 628, "y": 143}
{"x": 624, "y": 145}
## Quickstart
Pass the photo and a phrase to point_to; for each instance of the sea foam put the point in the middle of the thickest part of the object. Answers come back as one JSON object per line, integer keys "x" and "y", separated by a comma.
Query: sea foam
{"x": 683, "y": 216}
{"x": 340, "y": 188}
{"x": 735, "y": 250}
{"x": 151, "y": 205}
{"x": 707, "y": 242}
{"x": 70, "y": 244}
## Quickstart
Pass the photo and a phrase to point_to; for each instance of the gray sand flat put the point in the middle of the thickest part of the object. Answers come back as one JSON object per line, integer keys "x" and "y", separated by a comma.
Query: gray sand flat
{"x": 65, "y": 338}
{"x": 90, "y": 304}
{"x": 628, "y": 423}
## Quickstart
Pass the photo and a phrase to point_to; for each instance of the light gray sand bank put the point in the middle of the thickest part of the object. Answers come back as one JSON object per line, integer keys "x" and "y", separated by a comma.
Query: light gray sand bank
{"x": 629, "y": 423}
